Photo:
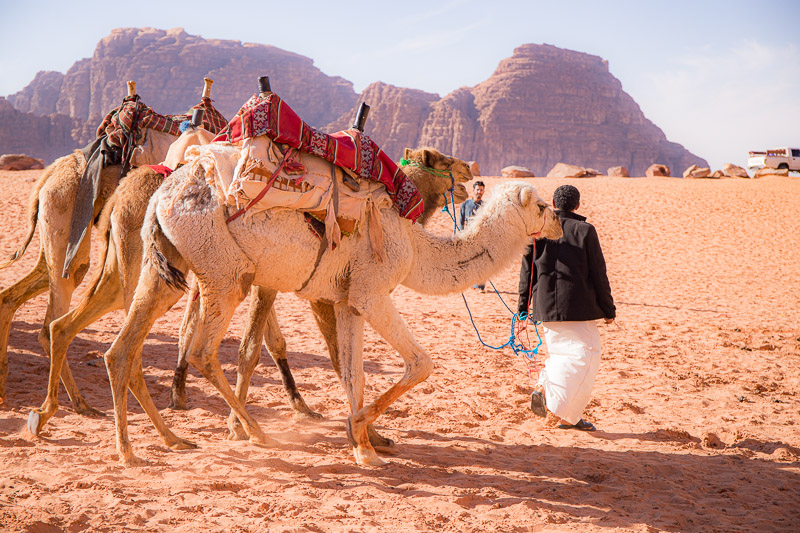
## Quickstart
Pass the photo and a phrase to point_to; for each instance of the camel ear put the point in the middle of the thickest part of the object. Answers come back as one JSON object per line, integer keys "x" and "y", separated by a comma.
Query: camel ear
{"x": 406, "y": 153}
{"x": 525, "y": 195}
{"x": 427, "y": 158}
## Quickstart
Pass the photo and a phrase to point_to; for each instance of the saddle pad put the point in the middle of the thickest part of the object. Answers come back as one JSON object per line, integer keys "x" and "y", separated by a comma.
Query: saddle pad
{"x": 119, "y": 122}
{"x": 271, "y": 117}
{"x": 311, "y": 193}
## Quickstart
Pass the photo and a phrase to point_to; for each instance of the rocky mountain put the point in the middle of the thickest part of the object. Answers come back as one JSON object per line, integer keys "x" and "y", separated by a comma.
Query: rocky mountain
{"x": 169, "y": 67}
{"x": 45, "y": 137}
{"x": 541, "y": 106}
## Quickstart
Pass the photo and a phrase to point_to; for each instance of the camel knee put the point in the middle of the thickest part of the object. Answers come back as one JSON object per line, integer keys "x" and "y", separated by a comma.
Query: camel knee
{"x": 79, "y": 273}
{"x": 421, "y": 367}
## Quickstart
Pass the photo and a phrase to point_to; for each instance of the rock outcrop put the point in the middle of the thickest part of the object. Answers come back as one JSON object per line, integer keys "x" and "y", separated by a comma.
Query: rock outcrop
{"x": 20, "y": 162}
{"x": 766, "y": 171}
{"x": 618, "y": 172}
{"x": 697, "y": 172}
{"x": 474, "y": 168}
{"x": 657, "y": 169}
{"x": 516, "y": 171}
{"x": 734, "y": 171}
{"x": 564, "y": 170}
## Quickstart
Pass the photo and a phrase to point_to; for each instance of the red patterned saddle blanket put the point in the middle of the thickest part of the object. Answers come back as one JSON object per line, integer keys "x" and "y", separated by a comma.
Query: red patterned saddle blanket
{"x": 269, "y": 115}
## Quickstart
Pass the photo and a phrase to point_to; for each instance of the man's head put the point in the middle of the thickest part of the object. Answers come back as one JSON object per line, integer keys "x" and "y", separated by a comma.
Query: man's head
{"x": 567, "y": 198}
{"x": 477, "y": 189}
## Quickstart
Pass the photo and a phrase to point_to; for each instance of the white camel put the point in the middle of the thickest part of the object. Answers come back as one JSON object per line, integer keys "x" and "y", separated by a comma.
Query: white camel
{"x": 185, "y": 228}
{"x": 113, "y": 285}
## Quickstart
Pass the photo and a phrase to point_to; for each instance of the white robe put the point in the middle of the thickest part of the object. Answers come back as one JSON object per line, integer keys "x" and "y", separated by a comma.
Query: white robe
{"x": 571, "y": 368}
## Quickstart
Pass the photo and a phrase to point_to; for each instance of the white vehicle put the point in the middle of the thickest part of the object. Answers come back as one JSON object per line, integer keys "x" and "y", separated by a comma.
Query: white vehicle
{"x": 788, "y": 158}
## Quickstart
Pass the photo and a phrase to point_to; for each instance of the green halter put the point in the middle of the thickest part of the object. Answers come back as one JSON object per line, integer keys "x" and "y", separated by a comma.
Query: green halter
{"x": 405, "y": 162}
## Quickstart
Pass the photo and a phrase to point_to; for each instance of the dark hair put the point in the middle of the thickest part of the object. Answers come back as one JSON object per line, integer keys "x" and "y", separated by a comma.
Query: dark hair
{"x": 478, "y": 183}
{"x": 567, "y": 198}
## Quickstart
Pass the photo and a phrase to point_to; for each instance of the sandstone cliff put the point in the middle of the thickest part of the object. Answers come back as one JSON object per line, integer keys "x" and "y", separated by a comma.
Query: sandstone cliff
{"x": 541, "y": 106}
{"x": 169, "y": 67}
{"x": 44, "y": 137}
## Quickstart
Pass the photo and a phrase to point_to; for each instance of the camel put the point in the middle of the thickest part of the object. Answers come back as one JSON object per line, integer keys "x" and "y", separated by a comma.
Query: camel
{"x": 185, "y": 229}
{"x": 113, "y": 284}
{"x": 51, "y": 206}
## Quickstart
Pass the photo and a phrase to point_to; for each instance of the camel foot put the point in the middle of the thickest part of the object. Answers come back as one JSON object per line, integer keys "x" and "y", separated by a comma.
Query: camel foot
{"x": 302, "y": 410}
{"x": 177, "y": 404}
{"x": 34, "y": 425}
{"x": 235, "y": 430}
{"x": 264, "y": 442}
{"x": 305, "y": 415}
{"x": 85, "y": 409}
{"x": 133, "y": 461}
{"x": 377, "y": 440}
{"x": 182, "y": 444}
{"x": 368, "y": 457}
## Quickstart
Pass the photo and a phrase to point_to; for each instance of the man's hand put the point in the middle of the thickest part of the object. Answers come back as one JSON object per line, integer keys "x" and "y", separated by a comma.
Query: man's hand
{"x": 608, "y": 320}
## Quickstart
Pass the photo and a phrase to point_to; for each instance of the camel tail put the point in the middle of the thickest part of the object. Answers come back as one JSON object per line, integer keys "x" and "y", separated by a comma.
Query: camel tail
{"x": 33, "y": 218}
{"x": 155, "y": 244}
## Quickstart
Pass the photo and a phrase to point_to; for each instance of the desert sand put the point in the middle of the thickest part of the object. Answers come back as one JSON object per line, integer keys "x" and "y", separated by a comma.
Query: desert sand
{"x": 696, "y": 402}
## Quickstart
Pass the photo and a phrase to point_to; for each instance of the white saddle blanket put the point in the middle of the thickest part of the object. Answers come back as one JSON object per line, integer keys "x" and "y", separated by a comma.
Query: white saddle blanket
{"x": 240, "y": 173}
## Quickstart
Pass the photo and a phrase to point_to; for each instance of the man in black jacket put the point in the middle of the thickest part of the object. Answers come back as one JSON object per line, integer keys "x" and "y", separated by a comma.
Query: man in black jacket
{"x": 566, "y": 288}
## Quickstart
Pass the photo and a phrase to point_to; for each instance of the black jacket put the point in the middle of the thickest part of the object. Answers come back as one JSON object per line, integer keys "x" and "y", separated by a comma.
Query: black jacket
{"x": 569, "y": 275}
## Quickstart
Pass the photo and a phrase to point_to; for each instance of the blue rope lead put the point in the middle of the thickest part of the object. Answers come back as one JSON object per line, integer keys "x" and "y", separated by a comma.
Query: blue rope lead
{"x": 517, "y": 347}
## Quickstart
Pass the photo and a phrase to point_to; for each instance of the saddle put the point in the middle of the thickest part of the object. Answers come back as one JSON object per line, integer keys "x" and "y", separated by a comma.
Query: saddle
{"x": 311, "y": 185}
{"x": 267, "y": 116}
{"x": 132, "y": 125}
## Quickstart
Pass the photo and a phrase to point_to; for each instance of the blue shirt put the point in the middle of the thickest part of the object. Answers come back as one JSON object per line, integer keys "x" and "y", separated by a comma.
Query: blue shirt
{"x": 468, "y": 209}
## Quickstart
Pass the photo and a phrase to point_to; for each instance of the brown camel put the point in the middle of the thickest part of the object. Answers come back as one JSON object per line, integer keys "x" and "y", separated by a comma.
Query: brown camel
{"x": 114, "y": 283}
{"x": 51, "y": 206}
{"x": 184, "y": 216}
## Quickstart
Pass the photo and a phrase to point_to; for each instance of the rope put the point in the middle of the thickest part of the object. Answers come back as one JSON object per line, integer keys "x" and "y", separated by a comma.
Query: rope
{"x": 516, "y": 346}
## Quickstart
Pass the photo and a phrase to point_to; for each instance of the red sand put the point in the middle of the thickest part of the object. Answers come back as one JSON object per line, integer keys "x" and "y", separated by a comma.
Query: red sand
{"x": 696, "y": 401}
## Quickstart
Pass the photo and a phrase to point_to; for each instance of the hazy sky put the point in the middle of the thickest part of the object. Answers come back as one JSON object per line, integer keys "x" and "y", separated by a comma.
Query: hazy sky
{"x": 719, "y": 77}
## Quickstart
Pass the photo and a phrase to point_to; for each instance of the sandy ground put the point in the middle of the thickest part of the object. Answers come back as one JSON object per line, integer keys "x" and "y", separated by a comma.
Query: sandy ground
{"x": 696, "y": 402}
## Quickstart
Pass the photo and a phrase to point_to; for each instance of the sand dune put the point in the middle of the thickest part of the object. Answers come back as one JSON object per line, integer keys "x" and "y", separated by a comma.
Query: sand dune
{"x": 696, "y": 402}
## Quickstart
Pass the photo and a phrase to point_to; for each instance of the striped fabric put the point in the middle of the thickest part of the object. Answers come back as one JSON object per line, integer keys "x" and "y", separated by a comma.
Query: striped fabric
{"x": 118, "y": 122}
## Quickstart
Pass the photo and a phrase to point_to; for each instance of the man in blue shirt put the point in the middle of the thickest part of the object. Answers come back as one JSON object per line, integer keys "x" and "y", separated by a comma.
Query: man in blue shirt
{"x": 468, "y": 209}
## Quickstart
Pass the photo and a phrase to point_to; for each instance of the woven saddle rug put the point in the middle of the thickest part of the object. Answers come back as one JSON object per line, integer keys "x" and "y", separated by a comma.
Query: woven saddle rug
{"x": 131, "y": 132}
{"x": 270, "y": 118}
{"x": 319, "y": 191}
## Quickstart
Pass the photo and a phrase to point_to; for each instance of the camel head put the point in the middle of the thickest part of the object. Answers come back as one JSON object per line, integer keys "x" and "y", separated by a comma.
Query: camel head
{"x": 435, "y": 186}
{"x": 537, "y": 218}
{"x": 190, "y": 137}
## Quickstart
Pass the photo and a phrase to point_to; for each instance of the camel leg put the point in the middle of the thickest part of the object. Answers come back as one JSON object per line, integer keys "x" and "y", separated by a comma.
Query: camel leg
{"x": 351, "y": 346}
{"x": 11, "y": 298}
{"x": 276, "y": 345}
{"x": 105, "y": 296}
{"x": 201, "y": 352}
{"x": 152, "y": 299}
{"x": 61, "y": 290}
{"x": 177, "y": 397}
{"x": 262, "y": 322}
{"x": 386, "y": 321}
{"x": 325, "y": 317}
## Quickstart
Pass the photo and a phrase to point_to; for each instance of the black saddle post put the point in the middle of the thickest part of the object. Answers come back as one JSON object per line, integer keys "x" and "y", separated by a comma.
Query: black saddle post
{"x": 361, "y": 117}
{"x": 263, "y": 86}
{"x": 197, "y": 117}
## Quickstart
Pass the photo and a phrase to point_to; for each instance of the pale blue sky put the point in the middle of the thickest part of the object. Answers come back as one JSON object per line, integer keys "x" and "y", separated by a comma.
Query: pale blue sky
{"x": 719, "y": 77}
